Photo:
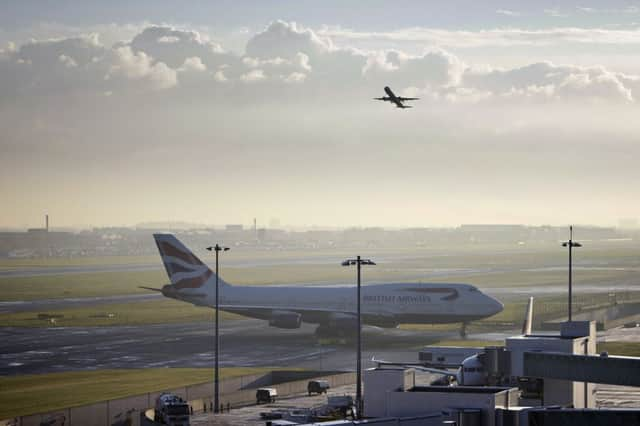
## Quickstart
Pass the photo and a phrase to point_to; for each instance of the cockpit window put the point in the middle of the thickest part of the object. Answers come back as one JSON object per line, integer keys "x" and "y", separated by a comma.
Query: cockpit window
{"x": 472, "y": 289}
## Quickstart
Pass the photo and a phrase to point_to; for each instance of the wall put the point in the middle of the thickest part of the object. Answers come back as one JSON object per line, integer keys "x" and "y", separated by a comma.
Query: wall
{"x": 421, "y": 403}
{"x": 379, "y": 381}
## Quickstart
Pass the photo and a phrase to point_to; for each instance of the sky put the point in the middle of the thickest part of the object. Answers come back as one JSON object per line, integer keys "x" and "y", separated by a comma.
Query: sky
{"x": 213, "y": 112}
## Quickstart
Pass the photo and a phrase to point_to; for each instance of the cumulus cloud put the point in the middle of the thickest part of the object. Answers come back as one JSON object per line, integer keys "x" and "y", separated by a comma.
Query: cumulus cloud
{"x": 287, "y": 55}
{"x": 434, "y": 68}
{"x": 284, "y": 40}
{"x": 219, "y": 76}
{"x": 295, "y": 77}
{"x": 547, "y": 81}
{"x": 193, "y": 64}
{"x": 140, "y": 68}
{"x": 173, "y": 46}
{"x": 253, "y": 76}
{"x": 67, "y": 61}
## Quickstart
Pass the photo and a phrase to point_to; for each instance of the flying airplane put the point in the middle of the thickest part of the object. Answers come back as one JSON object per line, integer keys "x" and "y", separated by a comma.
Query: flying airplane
{"x": 332, "y": 308}
{"x": 398, "y": 100}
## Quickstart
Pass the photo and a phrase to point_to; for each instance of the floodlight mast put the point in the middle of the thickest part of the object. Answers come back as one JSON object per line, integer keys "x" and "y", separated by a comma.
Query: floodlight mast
{"x": 570, "y": 244}
{"x": 358, "y": 261}
{"x": 216, "y": 379}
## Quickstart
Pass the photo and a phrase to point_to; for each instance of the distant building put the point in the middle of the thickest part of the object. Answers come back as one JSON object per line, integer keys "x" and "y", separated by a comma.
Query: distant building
{"x": 233, "y": 228}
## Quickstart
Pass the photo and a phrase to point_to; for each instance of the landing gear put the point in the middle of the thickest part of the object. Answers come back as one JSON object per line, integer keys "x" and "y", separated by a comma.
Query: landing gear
{"x": 463, "y": 331}
{"x": 331, "y": 332}
{"x": 333, "y": 335}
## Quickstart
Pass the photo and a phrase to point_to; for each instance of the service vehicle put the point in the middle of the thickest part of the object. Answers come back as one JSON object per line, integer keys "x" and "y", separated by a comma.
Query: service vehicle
{"x": 171, "y": 410}
{"x": 266, "y": 395}
{"x": 317, "y": 386}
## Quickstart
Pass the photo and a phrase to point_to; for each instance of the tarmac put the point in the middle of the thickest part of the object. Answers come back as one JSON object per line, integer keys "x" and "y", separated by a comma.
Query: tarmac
{"x": 244, "y": 343}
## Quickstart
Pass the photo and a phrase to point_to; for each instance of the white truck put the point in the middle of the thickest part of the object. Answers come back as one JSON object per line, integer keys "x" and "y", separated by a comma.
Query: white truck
{"x": 171, "y": 410}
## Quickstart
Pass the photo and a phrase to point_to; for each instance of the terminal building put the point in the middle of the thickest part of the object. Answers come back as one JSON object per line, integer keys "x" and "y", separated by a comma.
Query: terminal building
{"x": 532, "y": 380}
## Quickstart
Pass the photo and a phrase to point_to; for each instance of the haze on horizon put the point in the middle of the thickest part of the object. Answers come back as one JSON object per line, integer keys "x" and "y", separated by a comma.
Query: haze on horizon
{"x": 222, "y": 112}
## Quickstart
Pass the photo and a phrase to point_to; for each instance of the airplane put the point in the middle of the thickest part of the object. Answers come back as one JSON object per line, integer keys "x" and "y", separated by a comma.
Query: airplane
{"x": 332, "y": 308}
{"x": 398, "y": 100}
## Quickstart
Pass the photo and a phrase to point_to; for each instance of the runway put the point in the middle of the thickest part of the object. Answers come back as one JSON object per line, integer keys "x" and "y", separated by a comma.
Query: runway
{"x": 243, "y": 343}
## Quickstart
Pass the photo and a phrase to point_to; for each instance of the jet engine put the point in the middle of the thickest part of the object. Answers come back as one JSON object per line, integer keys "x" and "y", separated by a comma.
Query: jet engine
{"x": 285, "y": 319}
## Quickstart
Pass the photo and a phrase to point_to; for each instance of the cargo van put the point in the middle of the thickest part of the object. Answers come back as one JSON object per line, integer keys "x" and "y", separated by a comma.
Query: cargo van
{"x": 266, "y": 395}
{"x": 317, "y": 386}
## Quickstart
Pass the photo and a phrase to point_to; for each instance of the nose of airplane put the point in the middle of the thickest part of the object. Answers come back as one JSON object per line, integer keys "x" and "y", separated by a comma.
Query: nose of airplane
{"x": 495, "y": 306}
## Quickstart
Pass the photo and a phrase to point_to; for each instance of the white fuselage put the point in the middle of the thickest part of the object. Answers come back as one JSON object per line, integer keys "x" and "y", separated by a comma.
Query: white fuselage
{"x": 384, "y": 305}
{"x": 381, "y": 304}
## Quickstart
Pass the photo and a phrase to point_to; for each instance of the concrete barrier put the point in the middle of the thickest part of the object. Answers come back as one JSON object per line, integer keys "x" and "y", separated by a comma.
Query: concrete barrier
{"x": 237, "y": 391}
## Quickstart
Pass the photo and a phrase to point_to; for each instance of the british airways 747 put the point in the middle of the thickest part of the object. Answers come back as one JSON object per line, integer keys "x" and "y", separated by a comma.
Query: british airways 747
{"x": 332, "y": 308}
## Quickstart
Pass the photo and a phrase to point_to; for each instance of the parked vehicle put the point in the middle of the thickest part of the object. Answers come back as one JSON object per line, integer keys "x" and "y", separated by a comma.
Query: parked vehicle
{"x": 266, "y": 395}
{"x": 343, "y": 404}
{"x": 171, "y": 410}
{"x": 317, "y": 386}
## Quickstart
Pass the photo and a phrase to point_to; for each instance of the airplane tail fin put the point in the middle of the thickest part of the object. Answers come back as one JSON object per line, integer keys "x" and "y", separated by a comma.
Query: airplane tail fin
{"x": 528, "y": 319}
{"x": 183, "y": 267}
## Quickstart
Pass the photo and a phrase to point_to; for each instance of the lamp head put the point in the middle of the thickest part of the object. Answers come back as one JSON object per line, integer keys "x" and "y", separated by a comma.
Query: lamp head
{"x": 350, "y": 262}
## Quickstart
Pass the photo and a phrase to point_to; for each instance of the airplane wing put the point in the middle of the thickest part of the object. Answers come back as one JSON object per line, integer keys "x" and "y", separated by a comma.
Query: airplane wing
{"x": 151, "y": 288}
{"x": 166, "y": 293}
{"x": 386, "y": 98}
{"x": 267, "y": 308}
{"x": 416, "y": 366}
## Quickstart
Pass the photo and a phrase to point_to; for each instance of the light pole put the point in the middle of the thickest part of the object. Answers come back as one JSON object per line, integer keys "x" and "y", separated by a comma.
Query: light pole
{"x": 359, "y": 262}
{"x": 571, "y": 244}
{"x": 216, "y": 379}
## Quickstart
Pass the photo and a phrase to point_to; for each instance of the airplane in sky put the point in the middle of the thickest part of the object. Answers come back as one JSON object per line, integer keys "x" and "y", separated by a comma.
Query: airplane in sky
{"x": 332, "y": 308}
{"x": 398, "y": 100}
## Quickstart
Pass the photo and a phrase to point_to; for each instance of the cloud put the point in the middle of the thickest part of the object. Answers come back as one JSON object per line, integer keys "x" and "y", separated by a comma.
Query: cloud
{"x": 598, "y": 86}
{"x": 67, "y": 61}
{"x": 253, "y": 76}
{"x": 434, "y": 68}
{"x": 286, "y": 39}
{"x": 173, "y": 46}
{"x": 291, "y": 60}
{"x": 508, "y": 12}
{"x": 219, "y": 76}
{"x": 546, "y": 81}
{"x": 295, "y": 77}
{"x": 193, "y": 64}
{"x": 500, "y": 37}
{"x": 555, "y": 12}
{"x": 139, "y": 68}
